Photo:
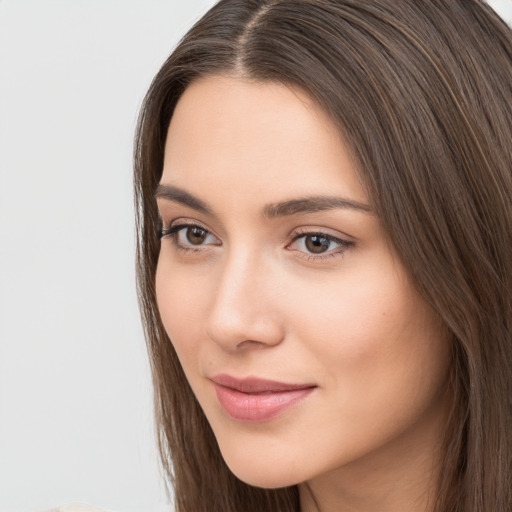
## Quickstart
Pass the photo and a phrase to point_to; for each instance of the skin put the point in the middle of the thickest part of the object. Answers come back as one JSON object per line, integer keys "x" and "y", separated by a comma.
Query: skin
{"x": 251, "y": 300}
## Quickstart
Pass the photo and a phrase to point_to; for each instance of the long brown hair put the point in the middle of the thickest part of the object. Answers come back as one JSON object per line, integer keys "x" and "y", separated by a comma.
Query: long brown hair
{"x": 422, "y": 92}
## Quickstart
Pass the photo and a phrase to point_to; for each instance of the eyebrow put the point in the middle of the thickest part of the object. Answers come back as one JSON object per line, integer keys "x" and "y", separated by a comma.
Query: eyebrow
{"x": 178, "y": 195}
{"x": 309, "y": 204}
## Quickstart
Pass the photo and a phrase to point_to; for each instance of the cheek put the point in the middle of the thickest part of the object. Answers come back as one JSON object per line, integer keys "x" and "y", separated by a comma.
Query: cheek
{"x": 351, "y": 316}
{"x": 377, "y": 341}
{"x": 182, "y": 305}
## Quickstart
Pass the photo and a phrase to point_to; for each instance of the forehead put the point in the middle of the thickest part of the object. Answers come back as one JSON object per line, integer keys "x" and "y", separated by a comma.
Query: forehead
{"x": 264, "y": 137}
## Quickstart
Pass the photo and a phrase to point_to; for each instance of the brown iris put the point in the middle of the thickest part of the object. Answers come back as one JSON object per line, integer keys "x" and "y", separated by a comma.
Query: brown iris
{"x": 196, "y": 236}
{"x": 317, "y": 244}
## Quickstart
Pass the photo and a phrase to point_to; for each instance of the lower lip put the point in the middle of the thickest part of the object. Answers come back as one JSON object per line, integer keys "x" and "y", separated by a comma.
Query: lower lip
{"x": 255, "y": 407}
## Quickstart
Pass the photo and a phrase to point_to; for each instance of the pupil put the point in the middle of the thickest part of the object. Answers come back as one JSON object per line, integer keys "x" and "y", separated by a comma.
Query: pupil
{"x": 317, "y": 244}
{"x": 196, "y": 236}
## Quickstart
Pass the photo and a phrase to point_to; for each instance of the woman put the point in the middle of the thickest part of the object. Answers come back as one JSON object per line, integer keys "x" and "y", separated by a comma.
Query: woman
{"x": 324, "y": 214}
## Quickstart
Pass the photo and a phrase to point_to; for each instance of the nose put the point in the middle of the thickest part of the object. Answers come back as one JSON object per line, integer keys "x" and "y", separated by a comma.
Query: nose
{"x": 245, "y": 308}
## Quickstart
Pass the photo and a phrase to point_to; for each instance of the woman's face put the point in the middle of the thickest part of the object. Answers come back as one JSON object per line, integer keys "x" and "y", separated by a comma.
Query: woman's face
{"x": 297, "y": 326}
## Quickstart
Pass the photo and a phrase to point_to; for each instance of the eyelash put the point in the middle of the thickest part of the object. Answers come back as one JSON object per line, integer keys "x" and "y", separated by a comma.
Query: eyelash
{"x": 338, "y": 252}
{"x": 173, "y": 232}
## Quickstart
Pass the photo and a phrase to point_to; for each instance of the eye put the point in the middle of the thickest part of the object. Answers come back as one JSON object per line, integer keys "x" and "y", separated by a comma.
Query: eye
{"x": 189, "y": 236}
{"x": 193, "y": 235}
{"x": 319, "y": 245}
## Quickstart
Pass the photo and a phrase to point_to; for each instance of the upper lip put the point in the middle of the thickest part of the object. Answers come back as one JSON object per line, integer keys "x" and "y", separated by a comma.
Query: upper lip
{"x": 256, "y": 384}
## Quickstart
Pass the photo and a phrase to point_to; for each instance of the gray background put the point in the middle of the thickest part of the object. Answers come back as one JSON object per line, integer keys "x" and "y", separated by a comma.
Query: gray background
{"x": 75, "y": 394}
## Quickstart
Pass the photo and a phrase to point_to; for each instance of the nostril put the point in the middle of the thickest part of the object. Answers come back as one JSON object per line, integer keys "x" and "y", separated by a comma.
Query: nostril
{"x": 237, "y": 333}
{"x": 252, "y": 344}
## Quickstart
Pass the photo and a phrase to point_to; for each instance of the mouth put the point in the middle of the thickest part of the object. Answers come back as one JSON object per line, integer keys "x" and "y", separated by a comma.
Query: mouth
{"x": 255, "y": 400}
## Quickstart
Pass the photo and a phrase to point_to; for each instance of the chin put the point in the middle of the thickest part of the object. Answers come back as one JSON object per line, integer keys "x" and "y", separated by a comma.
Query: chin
{"x": 265, "y": 479}
{"x": 264, "y": 472}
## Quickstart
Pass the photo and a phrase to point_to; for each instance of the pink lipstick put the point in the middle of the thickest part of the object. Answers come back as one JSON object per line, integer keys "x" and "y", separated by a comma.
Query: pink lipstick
{"x": 254, "y": 400}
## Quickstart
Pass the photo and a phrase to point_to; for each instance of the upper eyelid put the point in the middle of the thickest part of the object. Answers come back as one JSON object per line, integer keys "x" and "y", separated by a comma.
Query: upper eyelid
{"x": 341, "y": 241}
{"x": 179, "y": 224}
{"x": 316, "y": 233}
{"x": 339, "y": 251}
{"x": 304, "y": 231}
{"x": 292, "y": 236}
{"x": 184, "y": 221}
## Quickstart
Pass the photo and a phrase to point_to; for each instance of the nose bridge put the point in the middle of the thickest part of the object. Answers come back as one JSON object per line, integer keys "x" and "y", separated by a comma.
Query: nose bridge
{"x": 242, "y": 311}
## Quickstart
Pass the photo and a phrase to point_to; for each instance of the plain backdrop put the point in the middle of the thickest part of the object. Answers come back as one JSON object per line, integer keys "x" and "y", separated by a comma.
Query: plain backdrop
{"x": 76, "y": 420}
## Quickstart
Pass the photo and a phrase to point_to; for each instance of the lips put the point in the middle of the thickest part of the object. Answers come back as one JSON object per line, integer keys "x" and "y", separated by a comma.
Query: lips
{"x": 253, "y": 400}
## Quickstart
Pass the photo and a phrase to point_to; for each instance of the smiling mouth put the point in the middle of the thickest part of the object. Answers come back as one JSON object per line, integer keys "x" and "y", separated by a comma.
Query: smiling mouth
{"x": 254, "y": 400}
